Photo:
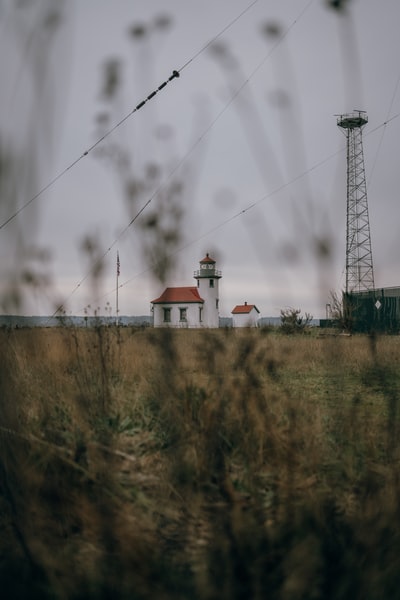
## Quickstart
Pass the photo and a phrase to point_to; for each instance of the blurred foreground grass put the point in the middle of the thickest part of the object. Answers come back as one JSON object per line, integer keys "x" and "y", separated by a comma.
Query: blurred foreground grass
{"x": 201, "y": 464}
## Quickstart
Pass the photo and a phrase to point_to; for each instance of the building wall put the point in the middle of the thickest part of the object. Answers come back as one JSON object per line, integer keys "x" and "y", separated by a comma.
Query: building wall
{"x": 210, "y": 295}
{"x": 374, "y": 310}
{"x": 245, "y": 320}
{"x": 188, "y": 319}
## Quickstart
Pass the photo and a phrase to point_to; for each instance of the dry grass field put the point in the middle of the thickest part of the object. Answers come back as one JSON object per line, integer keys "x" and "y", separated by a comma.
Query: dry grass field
{"x": 198, "y": 464}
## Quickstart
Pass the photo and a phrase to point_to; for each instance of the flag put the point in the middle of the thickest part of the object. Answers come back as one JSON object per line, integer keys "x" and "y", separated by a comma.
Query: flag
{"x": 118, "y": 265}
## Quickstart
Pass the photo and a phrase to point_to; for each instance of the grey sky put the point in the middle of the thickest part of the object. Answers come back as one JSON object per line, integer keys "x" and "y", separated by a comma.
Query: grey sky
{"x": 250, "y": 123}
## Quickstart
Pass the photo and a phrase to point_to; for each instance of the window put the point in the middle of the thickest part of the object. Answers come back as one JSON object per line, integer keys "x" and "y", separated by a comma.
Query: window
{"x": 167, "y": 315}
{"x": 217, "y": 303}
{"x": 211, "y": 282}
{"x": 182, "y": 314}
{"x": 200, "y": 314}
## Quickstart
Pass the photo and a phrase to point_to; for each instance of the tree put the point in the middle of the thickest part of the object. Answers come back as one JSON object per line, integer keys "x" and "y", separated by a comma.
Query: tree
{"x": 341, "y": 311}
{"x": 293, "y": 322}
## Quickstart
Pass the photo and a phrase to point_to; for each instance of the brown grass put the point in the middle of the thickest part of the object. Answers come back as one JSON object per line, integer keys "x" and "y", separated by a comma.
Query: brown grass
{"x": 202, "y": 464}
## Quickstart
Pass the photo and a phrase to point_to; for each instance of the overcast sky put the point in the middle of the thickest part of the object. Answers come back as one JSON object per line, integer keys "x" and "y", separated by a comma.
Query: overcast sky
{"x": 240, "y": 156}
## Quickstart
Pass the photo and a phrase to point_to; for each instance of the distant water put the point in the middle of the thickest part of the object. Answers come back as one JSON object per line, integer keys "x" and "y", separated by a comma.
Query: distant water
{"x": 15, "y": 321}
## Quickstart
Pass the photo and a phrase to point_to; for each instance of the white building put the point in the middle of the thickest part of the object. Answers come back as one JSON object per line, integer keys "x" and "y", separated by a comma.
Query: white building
{"x": 195, "y": 306}
{"x": 245, "y": 315}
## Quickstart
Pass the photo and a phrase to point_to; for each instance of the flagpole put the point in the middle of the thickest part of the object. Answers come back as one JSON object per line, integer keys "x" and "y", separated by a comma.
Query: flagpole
{"x": 118, "y": 270}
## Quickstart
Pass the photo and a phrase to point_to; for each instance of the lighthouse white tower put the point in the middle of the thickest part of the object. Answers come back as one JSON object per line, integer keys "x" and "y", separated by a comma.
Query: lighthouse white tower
{"x": 207, "y": 284}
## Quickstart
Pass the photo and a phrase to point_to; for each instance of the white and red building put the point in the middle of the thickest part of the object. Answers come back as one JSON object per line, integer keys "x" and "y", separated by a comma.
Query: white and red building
{"x": 245, "y": 315}
{"x": 194, "y": 306}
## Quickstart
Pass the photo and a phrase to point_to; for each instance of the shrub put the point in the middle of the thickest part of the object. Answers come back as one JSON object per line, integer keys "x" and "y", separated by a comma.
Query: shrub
{"x": 293, "y": 322}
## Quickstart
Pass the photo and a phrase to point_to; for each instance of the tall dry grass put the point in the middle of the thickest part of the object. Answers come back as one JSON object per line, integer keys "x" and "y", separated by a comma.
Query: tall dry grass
{"x": 202, "y": 464}
{"x": 148, "y": 464}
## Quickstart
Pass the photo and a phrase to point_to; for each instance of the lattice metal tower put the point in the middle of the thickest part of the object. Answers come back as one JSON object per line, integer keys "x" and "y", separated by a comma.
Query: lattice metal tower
{"x": 359, "y": 266}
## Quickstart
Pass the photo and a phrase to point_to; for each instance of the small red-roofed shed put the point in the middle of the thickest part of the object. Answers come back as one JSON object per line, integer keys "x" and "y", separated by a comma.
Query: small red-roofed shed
{"x": 245, "y": 315}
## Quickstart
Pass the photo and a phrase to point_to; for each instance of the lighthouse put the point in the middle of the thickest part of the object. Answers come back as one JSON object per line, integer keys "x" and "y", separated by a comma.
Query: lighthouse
{"x": 194, "y": 306}
{"x": 208, "y": 277}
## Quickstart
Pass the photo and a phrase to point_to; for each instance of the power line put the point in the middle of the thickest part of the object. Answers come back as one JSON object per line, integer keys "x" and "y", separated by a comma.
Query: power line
{"x": 175, "y": 74}
{"x": 384, "y": 129}
{"x": 236, "y": 215}
{"x": 196, "y": 143}
{"x": 218, "y": 35}
{"x": 243, "y": 210}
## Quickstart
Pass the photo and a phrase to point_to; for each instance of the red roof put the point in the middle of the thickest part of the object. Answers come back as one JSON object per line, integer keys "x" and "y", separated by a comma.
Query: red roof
{"x": 178, "y": 294}
{"x": 208, "y": 259}
{"x": 244, "y": 309}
